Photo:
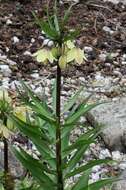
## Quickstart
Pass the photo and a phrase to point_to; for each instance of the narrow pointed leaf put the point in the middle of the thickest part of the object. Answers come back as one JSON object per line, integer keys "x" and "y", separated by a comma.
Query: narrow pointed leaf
{"x": 67, "y": 14}
{"x": 83, "y": 181}
{"x": 83, "y": 109}
{"x": 76, "y": 146}
{"x": 45, "y": 26}
{"x": 100, "y": 184}
{"x": 72, "y": 101}
{"x": 35, "y": 169}
{"x": 87, "y": 166}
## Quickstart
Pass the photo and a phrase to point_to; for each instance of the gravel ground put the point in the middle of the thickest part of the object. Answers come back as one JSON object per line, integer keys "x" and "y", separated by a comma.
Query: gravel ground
{"x": 103, "y": 40}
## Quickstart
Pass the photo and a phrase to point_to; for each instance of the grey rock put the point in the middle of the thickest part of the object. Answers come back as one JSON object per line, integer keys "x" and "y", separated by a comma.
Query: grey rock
{"x": 88, "y": 49}
{"x": 113, "y": 116}
{"x": 8, "y": 22}
{"x": 117, "y": 73}
{"x": 117, "y": 1}
{"x": 120, "y": 185}
{"x": 5, "y": 70}
{"x": 102, "y": 56}
{"x": 15, "y": 39}
{"x": 107, "y": 29}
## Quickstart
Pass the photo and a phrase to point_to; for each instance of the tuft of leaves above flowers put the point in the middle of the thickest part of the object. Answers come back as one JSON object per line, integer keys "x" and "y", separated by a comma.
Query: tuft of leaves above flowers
{"x": 64, "y": 51}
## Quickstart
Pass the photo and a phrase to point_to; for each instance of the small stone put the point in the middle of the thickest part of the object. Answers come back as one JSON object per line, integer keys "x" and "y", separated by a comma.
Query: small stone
{"x": 116, "y": 155}
{"x": 8, "y": 22}
{"x": 35, "y": 75}
{"x": 50, "y": 43}
{"x": 39, "y": 90}
{"x": 103, "y": 57}
{"x": 6, "y": 71}
{"x": 32, "y": 40}
{"x": 113, "y": 55}
{"x": 124, "y": 56}
{"x": 45, "y": 42}
{"x": 122, "y": 165}
{"x": 14, "y": 84}
{"x": 82, "y": 79}
{"x": 107, "y": 29}
{"x": 15, "y": 39}
{"x": 61, "y": 2}
{"x": 117, "y": 73}
{"x": 96, "y": 168}
{"x": 108, "y": 64}
{"x": 27, "y": 53}
{"x": 88, "y": 49}
{"x": 123, "y": 62}
{"x": 41, "y": 37}
{"x": 123, "y": 81}
{"x": 104, "y": 154}
{"x": 95, "y": 177}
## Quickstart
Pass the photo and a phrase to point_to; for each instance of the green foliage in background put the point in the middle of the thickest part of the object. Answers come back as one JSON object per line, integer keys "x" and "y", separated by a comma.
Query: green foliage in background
{"x": 41, "y": 130}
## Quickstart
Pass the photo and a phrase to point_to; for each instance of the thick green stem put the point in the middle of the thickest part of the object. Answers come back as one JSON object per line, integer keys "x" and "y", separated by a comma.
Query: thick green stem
{"x": 58, "y": 132}
{"x": 5, "y": 156}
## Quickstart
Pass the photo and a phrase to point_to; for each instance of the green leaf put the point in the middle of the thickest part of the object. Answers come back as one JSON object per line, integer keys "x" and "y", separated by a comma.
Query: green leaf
{"x": 49, "y": 31}
{"x": 67, "y": 14}
{"x": 83, "y": 181}
{"x": 71, "y": 35}
{"x": 76, "y": 145}
{"x": 83, "y": 109}
{"x": 56, "y": 24}
{"x": 75, "y": 158}
{"x": 100, "y": 184}
{"x": 35, "y": 168}
{"x": 72, "y": 101}
{"x": 87, "y": 166}
{"x": 40, "y": 140}
{"x": 36, "y": 104}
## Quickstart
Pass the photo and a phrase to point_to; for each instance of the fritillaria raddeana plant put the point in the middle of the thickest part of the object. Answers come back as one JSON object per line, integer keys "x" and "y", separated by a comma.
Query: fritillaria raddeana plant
{"x": 58, "y": 158}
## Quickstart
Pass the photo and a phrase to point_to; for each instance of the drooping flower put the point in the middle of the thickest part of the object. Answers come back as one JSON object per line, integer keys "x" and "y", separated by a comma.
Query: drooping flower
{"x": 44, "y": 56}
{"x": 69, "y": 44}
{"x": 20, "y": 112}
{"x": 63, "y": 61}
{"x": 4, "y": 96}
{"x": 4, "y": 131}
{"x": 76, "y": 54}
{"x": 65, "y": 54}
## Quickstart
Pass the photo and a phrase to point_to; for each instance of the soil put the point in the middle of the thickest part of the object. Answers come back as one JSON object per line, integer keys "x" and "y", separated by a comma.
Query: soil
{"x": 89, "y": 17}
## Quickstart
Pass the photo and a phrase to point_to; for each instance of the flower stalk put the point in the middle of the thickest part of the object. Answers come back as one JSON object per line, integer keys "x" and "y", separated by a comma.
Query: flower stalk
{"x": 58, "y": 131}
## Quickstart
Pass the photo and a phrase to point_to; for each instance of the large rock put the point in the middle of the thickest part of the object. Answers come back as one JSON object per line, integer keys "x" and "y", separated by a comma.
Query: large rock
{"x": 117, "y": 1}
{"x": 113, "y": 116}
{"x": 120, "y": 185}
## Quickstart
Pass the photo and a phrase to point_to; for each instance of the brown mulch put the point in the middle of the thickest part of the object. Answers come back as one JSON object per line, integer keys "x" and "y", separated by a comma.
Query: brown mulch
{"x": 90, "y": 18}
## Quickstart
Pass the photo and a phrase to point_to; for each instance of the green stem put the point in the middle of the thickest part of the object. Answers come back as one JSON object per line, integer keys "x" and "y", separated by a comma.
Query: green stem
{"x": 6, "y": 168}
{"x": 58, "y": 132}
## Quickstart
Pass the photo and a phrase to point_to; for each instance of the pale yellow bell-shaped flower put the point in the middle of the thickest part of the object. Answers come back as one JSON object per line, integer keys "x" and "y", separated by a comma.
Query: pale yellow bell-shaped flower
{"x": 44, "y": 56}
{"x": 69, "y": 44}
{"x": 63, "y": 61}
{"x": 76, "y": 54}
{"x": 4, "y": 131}
{"x": 4, "y": 96}
{"x": 19, "y": 112}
